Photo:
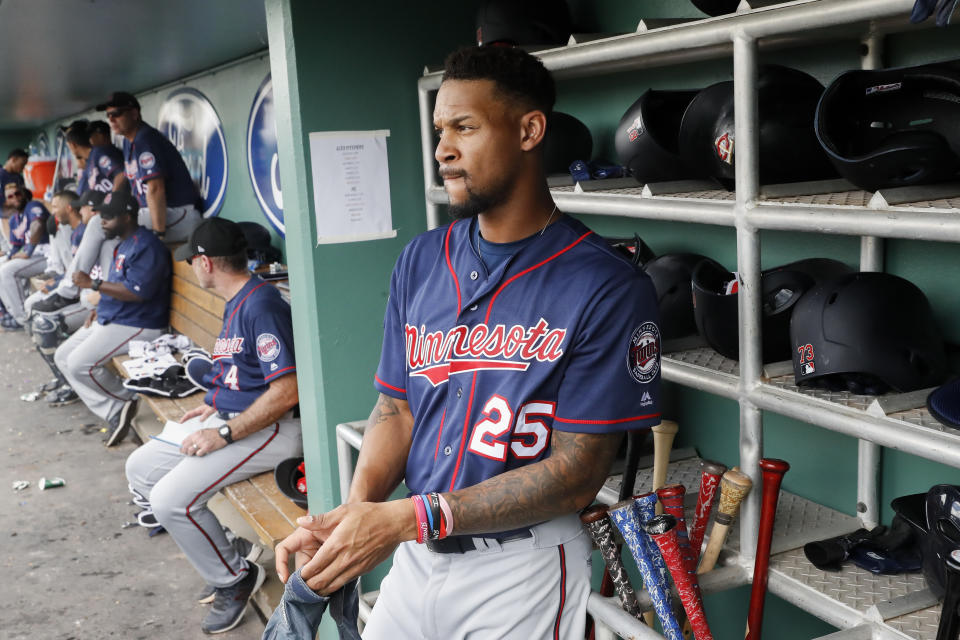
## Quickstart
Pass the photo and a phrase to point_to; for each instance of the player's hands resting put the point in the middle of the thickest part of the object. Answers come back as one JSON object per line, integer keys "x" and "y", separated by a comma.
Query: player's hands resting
{"x": 203, "y": 412}
{"x": 335, "y": 547}
{"x": 202, "y": 442}
{"x": 82, "y": 280}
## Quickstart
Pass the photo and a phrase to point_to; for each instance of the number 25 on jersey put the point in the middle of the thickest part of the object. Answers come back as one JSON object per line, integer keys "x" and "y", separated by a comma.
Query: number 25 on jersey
{"x": 530, "y": 436}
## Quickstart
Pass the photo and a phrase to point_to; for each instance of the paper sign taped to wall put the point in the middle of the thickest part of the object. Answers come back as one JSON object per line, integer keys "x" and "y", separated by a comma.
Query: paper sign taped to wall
{"x": 351, "y": 186}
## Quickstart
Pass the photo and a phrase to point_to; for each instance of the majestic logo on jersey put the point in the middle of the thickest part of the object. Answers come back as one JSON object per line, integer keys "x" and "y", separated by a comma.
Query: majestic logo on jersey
{"x": 643, "y": 359}
{"x": 147, "y": 161}
{"x": 437, "y": 355}
{"x": 268, "y": 347}
{"x": 226, "y": 347}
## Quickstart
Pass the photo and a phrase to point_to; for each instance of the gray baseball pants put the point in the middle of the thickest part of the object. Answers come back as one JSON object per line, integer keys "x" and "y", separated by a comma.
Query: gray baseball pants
{"x": 178, "y": 488}
{"x": 12, "y": 274}
{"x": 180, "y": 222}
{"x": 84, "y": 357}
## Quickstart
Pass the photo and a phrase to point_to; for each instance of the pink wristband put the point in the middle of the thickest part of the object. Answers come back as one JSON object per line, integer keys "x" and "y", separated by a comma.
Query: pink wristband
{"x": 446, "y": 513}
{"x": 422, "y": 524}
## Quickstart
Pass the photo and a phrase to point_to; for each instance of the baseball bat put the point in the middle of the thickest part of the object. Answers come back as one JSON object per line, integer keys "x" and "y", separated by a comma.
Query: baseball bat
{"x": 773, "y": 471}
{"x": 598, "y": 525}
{"x": 671, "y": 496}
{"x": 625, "y": 516}
{"x": 710, "y": 473}
{"x": 734, "y": 487}
{"x": 634, "y": 443}
{"x": 663, "y": 531}
{"x": 645, "y": 505}
{"x": 949, "y": 628}
{"x": 663, "y": 435}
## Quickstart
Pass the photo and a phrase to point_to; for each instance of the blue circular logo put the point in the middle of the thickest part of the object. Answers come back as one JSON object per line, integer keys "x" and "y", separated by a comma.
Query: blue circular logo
{"x": 262, "y": 158}
{"x": 191, "y": 123}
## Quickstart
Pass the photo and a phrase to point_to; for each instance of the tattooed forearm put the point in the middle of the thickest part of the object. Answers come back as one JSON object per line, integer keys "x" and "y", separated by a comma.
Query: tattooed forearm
{"x": 383, "y": 454}
{"x": 563, "y": 483}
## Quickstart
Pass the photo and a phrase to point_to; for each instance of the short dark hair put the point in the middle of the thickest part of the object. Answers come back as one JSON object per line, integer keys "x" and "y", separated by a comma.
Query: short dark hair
{"x": 517, "y": 74}
{"x": 17, "y": 153}
{"x": 98, "y": 126}
{"x": 70, "y": 196}
{"x": 78, "y": 134}
{"x": 236, "y": 263}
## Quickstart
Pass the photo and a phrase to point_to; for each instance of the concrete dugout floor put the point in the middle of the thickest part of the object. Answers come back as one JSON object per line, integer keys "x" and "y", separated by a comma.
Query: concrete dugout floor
{"x": 70, "y": 571}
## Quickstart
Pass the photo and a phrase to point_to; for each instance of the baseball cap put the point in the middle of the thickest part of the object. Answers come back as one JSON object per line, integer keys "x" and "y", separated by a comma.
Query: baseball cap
{"x": 90, "y": 197}
{"x": 120, "y": 99}
{"x": 116, "y": 203}
{"x": 213, "y": 237}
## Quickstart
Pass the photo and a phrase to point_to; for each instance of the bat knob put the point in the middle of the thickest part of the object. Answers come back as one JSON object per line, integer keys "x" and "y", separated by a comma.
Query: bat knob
{"x": 712, "y": 468}
{"x": 594, "y": 513}
{"x": 660, "y": 524}
{"x": 775, "y": 465}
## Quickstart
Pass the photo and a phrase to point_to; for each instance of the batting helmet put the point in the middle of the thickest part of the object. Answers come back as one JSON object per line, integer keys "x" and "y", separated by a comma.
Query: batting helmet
{"x": 839, "y": 341}
{"x": 716, "y": 7}
{"x": 633, "y": 249}
{"x": 715, "y": 303}
{"x": 943, "y": 403}
{"x": 291, "y": 480}
{"x": 935, "y": 517}
{"x": 646, "y": 138}
{"x": 671, "y": 274}
{"x": 567, "y": 139}
{"x": 893, "y": 127}
{"x": 259, "y": 245}
{"x": 789, "y": 151}
{"x": 49, "y": 330}
{"x": 533, "y": 22}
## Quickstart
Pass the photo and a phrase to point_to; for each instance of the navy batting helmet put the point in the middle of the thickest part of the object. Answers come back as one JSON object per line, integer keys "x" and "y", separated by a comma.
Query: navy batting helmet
{"x": 567, "y": 139}
{"x": 716, "y": 7}
{"x": 646, "y": 138}
{"x": 532, "y": 22}
{"x": 893, "y": 127}
{"x": 671, "y": 274}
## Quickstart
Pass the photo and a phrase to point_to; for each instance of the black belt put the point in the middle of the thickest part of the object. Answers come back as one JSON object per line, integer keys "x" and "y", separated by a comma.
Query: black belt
{"x": 462, "y": 544}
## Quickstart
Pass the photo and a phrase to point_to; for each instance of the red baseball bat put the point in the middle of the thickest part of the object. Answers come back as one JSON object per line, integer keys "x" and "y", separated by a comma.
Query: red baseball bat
{"x": 671, "y": 496}
{"x": 663, "y": 531}
{"x": 773, "y": 471}
{"x": 710, "y": 475}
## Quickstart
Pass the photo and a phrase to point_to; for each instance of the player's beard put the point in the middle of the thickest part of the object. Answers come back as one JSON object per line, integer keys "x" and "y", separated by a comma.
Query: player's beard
{"x": 478, "y": 202}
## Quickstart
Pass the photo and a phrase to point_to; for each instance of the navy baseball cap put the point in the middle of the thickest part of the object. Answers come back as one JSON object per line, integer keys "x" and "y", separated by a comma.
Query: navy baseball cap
{"x": 213, "y": 237}
{"x": 90, "y": 198}
{"x": 116, "y": 203}
{"x": 944, "y": 404}
{"x": 121, "y": 100}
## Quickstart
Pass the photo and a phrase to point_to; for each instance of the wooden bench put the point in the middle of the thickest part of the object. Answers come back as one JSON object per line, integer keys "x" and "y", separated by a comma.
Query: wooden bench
{"x": 196, "y": 312}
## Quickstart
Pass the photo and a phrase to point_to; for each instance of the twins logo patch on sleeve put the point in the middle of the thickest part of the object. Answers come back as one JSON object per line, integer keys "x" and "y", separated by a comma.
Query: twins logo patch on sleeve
{"x": 643, "y": 359}
{"x": 104, "y": 163}
{"x": 146, "y": 160}
{"x": 268, "y": 347}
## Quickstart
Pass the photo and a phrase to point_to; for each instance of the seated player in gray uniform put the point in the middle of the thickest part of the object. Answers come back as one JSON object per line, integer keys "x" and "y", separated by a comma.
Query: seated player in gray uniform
{"x": 247, "y": 425}
{"x": 134, "y": 305}
{"x": 27, "y": 256}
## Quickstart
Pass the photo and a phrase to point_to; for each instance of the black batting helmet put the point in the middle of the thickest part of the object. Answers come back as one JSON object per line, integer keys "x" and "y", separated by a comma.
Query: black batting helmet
{"x": 291, "y": 480}
{"x": 716, "y": 7}
{"x": 716, "y": 313}
{"x": 789, "y": 151}
{"x": 867, "y": 333}
{"x": 532, "y": 22}
{"x": 893, "y": 127}
{"x": 671, "y": 274}
{"x": 646, "y": 138}
{"x": 567, "y": 139}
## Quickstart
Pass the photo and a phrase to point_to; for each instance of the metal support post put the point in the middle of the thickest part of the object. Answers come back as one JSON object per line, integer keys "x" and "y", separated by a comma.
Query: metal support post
{"x": 746, "y": 136}
{"x": 427, "y": 148}
{"x": 871, "y": 259}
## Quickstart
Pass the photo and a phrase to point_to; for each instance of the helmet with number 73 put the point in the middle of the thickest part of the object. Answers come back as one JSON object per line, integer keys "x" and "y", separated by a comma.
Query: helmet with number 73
{"x": 866, "y": 333}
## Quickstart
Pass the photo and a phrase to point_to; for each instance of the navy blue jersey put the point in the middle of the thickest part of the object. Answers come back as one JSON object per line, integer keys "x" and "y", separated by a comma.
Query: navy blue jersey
{"x": 20, "y": 227}
{"x": 142, "y": 264}
{"x": 562, "y": 335}
{"x": 255, "y": 346}
{"x": 150, "y": 156}
{"x": 103, "y": 165}
{"x": 7, "y": 177}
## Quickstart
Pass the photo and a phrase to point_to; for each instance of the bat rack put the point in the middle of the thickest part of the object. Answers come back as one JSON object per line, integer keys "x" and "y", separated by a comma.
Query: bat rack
{"x": 861, "y": 605}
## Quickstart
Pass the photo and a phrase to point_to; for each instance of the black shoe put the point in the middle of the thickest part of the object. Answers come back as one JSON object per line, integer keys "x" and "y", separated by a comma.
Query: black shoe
{"x": 250, "y": 551}
{"x": 54, "y": 302}
{"x": 120, "y": 424}
{"x": 229, "y": 603}
{"x": 62, "y": 397}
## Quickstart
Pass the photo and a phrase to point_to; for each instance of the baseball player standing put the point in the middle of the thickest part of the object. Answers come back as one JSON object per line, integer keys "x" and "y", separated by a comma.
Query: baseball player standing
{"x": 104, "y": 162}
{"x": 248, "y": 424}
{"x": 517, "y": 348}
{"x": 134, "y": 305}
{"x": 156, "y": 171}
